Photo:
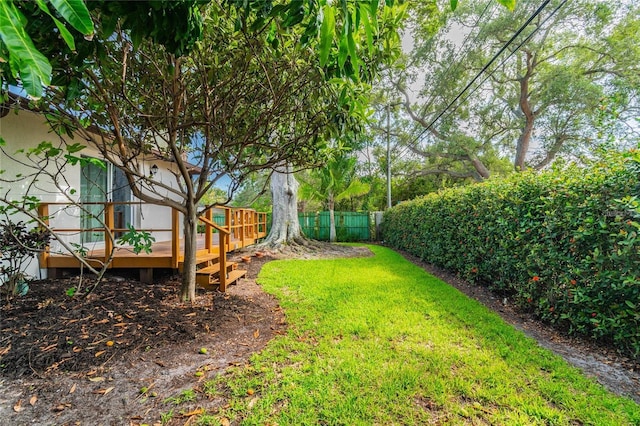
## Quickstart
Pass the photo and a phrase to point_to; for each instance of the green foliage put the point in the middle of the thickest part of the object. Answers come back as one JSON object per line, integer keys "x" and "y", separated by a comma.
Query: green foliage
{"x": 139, "y": 240}
{"x": 35, "y": 40}
{"x": 351, "y": 36}
{"x": 18, "y": 246}
{"x": 165, "y": 418}
{"x": 335, "y": 181}
{"x": 80, "y": 250}
{"x": 21, "y": 49}
{"x": 152, "y": 19}
{"x": 563, "y": 243}
{"x": 254, "y": 193}
{"x": 187, "y": 395}
{"x": 578, "y": 65}
{"x": 18, "y": 50}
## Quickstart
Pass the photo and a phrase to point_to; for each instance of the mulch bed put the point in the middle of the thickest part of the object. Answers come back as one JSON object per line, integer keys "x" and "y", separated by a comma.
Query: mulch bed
{"x": 47, "y": 330}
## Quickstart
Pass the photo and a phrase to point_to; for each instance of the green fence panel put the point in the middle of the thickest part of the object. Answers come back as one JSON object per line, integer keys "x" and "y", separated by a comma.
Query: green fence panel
{"x": 308, "y": 223}
{"x": 324, "y": 226}
{"x": 219, "y": 219}
{"x": 350, "y": 226}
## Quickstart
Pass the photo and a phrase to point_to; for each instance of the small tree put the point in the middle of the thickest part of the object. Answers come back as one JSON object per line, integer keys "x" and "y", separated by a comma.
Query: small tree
{"x": 334, "y": 182}
{"x": 18, "y": 246}
{"x": 218, "y": 107}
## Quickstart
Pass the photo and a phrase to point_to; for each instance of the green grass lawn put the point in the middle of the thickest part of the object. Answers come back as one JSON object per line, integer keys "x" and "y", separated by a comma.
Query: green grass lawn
{"x": 378, "y": 341}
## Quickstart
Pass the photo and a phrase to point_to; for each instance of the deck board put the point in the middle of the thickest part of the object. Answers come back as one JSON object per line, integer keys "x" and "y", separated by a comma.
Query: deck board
{"x": 124, "y": 257}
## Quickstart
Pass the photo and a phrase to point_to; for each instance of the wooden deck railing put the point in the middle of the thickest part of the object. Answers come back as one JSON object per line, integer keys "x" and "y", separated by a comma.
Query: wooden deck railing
{"x": 242, "y": 227}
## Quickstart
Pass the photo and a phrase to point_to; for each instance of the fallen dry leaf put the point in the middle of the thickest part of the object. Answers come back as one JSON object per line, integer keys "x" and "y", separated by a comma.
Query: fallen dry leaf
{"x": 96, "y": 379}
{"x": 5, "y": 351}
{"x": 73, "y": 388}
{"x": 104, "y": 391}
{"x": 192, "y": 314}
{"x": 252, "y": 402}
{"x": 256, "y": 333}
{"x": 195, "y": 412}
{"x": 33, "y": 400}
{"x": 99, "y": 353}
{"x": 48, "y": 348}
{"x": 61, "y": 407}
{"x": 18, "y": 407}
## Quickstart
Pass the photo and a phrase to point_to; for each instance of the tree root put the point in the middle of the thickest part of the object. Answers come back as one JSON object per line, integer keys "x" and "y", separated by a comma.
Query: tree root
{"x": 305, "y": 249}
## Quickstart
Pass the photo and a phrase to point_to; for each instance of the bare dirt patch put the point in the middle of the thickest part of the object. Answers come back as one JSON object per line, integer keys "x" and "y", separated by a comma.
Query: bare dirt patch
{"x": 57, "y": 366}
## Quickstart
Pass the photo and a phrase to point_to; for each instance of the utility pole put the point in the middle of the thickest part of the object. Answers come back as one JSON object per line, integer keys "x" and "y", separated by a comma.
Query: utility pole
{"x": 389, "y": 154}
{"x": 388, "y": 160}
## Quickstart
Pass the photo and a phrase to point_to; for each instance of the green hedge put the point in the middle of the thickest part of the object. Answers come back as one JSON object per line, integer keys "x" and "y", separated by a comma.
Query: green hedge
{"x": 563, "y": 243}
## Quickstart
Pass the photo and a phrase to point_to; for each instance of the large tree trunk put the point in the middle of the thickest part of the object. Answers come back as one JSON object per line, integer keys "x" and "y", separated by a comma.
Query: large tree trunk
{"x": 332, "y": 220}
{"x": 188, "y": 288}
{"x": 285, "y": 228}
{"x": 524, "y": 140}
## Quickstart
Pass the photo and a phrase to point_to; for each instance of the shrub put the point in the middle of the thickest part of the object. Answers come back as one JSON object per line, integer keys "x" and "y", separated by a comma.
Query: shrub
{"x": 562, "y": 243}
{"x": 18, "y": 246}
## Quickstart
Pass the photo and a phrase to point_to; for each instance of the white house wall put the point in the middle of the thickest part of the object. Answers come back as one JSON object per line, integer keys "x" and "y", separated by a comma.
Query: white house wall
{"x": 26, "y": 130}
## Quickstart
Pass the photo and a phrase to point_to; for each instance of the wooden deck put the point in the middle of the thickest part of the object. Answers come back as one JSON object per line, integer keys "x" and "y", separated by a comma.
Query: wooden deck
{"x": 241, "y": 228}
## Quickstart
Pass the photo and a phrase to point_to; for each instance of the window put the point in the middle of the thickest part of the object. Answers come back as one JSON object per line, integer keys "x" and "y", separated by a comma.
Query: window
{"x": 97, "y": 186}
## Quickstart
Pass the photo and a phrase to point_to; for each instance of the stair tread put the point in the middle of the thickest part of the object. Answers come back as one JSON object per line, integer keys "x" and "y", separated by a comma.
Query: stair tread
{"x": 212, "y": 284}
{"x": 204, "y": 258}
{"x": 209, "y": 270}
{"x": 236, "y": 274}
{"x": 213, "y": 268}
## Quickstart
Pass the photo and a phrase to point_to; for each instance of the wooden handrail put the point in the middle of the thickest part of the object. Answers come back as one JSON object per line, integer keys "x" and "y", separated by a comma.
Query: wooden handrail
{"x": 214, "y": 225}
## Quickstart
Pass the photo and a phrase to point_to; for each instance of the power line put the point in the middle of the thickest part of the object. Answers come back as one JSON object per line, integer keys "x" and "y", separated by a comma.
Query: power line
{"x": 458, "y": 62}
{"x": 513, "y": 52}
{"x": 460, "y": 50}
{"x": 486, "y": 66}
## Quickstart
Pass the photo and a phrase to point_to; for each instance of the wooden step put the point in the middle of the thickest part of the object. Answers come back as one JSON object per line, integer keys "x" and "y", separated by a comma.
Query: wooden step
{"x": 211, "y": 282}
{"x": 215, "y": 268}
{"x": 209, "y": 270}
{"x": 207, "y": 258}
{"x": 235, "y": 275}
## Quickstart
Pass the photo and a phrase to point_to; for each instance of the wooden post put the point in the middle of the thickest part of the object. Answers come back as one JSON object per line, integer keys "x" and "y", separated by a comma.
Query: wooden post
{"x": 227, "y": 222}
{"x": 175, "y": 238}
{"x": 43, "y": 214}
{"x": 255, "y": 224}
{"x": 146, "y": 275}
{"x": 109, "y": 220}
{"x": 223, "y": 263}
{"x": 208, "y": 232}
{"x": 224, "y": 243}
{"x": 242, "y": 227}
